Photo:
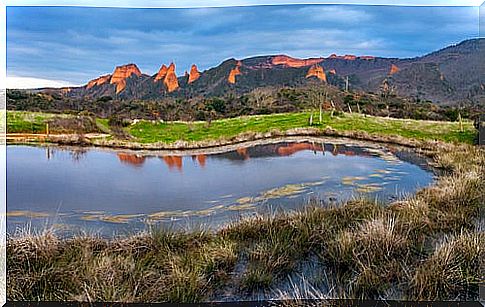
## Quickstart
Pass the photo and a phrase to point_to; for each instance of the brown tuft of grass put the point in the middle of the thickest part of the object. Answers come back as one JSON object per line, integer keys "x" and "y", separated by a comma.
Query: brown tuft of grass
{"x": 452, "y": 270}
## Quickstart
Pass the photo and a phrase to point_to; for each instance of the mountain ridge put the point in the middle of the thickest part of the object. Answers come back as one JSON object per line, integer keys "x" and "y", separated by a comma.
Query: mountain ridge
{"x": 448, "y": 75}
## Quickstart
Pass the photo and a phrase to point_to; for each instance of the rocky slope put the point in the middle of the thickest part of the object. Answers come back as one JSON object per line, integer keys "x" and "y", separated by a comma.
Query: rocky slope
{"x": 450, "y": 75}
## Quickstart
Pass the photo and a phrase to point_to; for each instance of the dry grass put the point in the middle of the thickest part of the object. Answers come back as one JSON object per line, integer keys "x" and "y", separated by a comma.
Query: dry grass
{"x": 425, "y": 247}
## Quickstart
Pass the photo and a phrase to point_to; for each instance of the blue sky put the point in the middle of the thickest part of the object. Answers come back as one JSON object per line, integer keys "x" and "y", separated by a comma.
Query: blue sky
{"x": 70, "y": 45}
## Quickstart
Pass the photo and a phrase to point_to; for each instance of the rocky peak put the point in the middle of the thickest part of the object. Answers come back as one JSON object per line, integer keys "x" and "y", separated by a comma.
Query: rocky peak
{"x": 317, "y": 71}
{"x": 98, "y": 81}
{"x": 194, "y": 73}
{"x": 122, "y": 73}
{"x": 162, "y": 72}
{"x": 170, "y": 80}
{"x": 349, "y": 57}
{"x": 394, "y": 69}
{"x": 293, "y": 62}
{"x": 234, "y": 72}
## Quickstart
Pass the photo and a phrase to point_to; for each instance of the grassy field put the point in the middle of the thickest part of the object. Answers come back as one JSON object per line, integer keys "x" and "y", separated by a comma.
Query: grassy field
{"x": 29, "y": 122}
{"x": 148, "y": 132}
{"x": 151, "y": 132}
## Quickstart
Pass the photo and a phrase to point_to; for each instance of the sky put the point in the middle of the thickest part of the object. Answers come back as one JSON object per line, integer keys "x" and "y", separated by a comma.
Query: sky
{"x": 65, "y": 46}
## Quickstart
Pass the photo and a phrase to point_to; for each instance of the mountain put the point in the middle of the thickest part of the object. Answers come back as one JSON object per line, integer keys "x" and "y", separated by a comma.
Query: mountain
{"x": 450, "y": 75}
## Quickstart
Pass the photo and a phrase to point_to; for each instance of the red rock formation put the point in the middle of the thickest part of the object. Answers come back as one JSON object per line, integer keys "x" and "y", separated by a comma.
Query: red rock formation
{"x": 162, "y": 72}
{"x": 293, "y": 62}
{"x": 234, "y": 72}
{"x": 98, "y": 81}
{"x": 194, "y": 74}
{"x": 134, "y": 160}
{"x": 349, "y": 57}
{"x": 332, "y": 71}
{"x": 317, "y": 71}
{"x": 122, "y": 73}
{"x": 171, "y": 81}
{"x": 394, "y": 69}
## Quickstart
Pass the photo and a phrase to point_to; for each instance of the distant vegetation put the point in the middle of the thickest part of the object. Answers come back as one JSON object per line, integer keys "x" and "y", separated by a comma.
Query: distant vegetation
{"x": 267, "y": 100}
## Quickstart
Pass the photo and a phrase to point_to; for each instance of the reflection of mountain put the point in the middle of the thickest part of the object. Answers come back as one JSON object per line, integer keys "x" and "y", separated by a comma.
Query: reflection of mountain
{"x": 290, "y": 148}
{"x": 241, "y": 154}
{"x": 132, "y": 159}
{"x": 173, "y": 162}
{"x": 201, "y": 159}
{"x": 177, "y": 161}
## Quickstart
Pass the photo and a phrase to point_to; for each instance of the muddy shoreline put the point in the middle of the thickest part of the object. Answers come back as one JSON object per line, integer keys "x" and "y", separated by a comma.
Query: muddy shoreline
{"x": 230, "y": 143}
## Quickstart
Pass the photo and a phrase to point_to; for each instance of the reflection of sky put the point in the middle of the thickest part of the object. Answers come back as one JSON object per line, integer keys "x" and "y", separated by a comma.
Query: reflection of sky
{"x": 99, "y": 181}
{"x": 72, "y": 45}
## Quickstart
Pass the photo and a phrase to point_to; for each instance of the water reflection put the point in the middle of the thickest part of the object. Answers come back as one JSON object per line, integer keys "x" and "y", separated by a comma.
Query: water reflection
{"x": 131, "y": 159}
{"x": 175, "y": 162}
{"x": 103, "y": 189}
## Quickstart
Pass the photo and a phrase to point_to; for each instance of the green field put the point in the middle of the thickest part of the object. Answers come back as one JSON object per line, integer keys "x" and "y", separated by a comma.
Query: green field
{"x": 151, "y": 132}
{"x": 29, "y": 122}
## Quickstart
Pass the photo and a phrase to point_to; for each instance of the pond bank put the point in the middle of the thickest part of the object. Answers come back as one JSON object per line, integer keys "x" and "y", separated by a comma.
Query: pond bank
{"x": 102, "y": 140}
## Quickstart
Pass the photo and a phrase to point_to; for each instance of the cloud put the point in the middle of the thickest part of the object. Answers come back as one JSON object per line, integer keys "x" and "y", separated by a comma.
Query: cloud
{"x": 78, "y": 44}
{"x": 29, "y": 82}
{"x": 329, "y": 14}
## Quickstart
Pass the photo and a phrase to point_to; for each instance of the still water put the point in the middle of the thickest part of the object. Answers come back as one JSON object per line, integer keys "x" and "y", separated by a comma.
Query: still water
{"x": 108, "y": 191}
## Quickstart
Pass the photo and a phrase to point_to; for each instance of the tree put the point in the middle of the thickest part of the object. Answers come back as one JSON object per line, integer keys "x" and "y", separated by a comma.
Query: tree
{"x": 318, "y": 95}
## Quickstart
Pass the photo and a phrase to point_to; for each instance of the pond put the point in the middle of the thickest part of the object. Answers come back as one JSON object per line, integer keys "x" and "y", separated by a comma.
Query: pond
{"x": 116, "y": 191}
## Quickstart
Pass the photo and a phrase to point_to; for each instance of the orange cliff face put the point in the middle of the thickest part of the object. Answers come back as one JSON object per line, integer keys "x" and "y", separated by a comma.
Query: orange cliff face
{"x": 98, "y": 81}
{"x": 349, "y": 57}
{"x": 161, "y": 73}
{"x": 293, "y": 62}
{"x": 171, "y": 81}
{"x": 394, "y": 69}
{"x": 234, "y": 72}
{"x": 167, "y": 74}
{"x": 194, "y": 74}
{"x": 122, "y": 73}
{"x": 317, "y": 71}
